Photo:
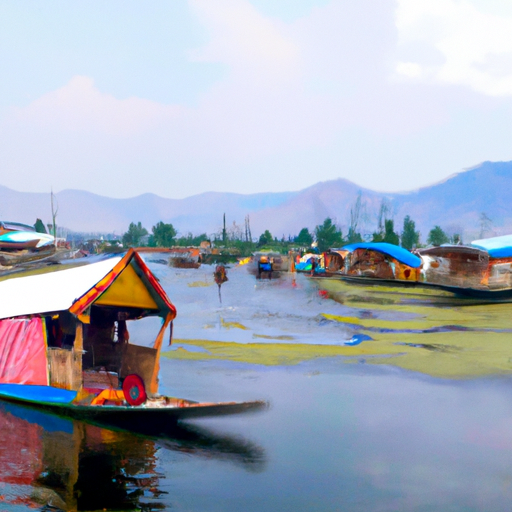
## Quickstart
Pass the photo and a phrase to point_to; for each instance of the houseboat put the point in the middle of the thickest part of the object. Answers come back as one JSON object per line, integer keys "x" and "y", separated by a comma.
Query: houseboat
{"x": 65, "y": 343}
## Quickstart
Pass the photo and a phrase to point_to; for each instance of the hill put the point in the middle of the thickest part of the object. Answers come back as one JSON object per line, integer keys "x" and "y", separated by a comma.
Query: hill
{"x": 456, "y": 204}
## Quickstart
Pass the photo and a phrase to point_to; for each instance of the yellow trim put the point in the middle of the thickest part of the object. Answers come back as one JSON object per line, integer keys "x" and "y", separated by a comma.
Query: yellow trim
{"x": 153, "y": 386}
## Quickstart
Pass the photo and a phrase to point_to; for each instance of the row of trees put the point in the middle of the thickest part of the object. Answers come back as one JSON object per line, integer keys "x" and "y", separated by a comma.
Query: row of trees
{"x": 326, "y": 235}
{"x": 162, "y": 235}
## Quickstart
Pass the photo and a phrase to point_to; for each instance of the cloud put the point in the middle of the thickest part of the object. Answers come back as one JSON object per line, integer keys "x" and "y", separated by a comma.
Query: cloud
{"x": 373, "y": 91}
{"x": 254, "y": 47}
{"x": 476, "y": 46}
{"x": 80, "y": 106}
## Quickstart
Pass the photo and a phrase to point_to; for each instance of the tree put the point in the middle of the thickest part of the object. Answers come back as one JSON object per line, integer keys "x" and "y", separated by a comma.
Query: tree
{"x": 389, "y": 233}
{"x": 410, "y": 237}
{"x": 304, "y": 238}
{"x": 163, "y": 235}
{"x": 55, "y": 209}
{"x": 327, "y": 235}
{"x": 134, "y": 234}
{"x": 224, "y": 233}
{"x": 485, "y": 224}
{"x": 384, "y": 211}
{"x": 437, "y": 236}
{"x": 353, "y": 237}
{"x": 358, "y": 211}
{"x": 39, "y": 226}
{"x": 265, "y": 238}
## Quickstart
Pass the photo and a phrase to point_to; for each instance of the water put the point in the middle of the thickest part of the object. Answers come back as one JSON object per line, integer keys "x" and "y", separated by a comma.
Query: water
{"x": 411, "y": 417}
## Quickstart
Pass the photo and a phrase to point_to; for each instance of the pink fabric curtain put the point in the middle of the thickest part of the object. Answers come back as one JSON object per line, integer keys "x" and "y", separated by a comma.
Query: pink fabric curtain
{"x": 23, "y": 352}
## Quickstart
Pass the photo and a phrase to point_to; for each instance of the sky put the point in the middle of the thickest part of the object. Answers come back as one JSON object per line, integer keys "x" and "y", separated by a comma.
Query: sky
{"x": 182, "y": 97}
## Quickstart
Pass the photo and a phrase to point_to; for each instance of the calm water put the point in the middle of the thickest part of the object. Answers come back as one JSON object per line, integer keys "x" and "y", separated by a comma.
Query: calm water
{"x": 382, "y": 422}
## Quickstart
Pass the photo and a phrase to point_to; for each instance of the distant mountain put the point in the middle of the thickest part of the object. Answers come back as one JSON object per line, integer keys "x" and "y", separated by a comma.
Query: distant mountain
{"x": 456, "y": 204}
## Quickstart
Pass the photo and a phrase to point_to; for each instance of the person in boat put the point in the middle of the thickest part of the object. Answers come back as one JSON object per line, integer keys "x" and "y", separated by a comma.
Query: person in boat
{"x": 265, "y": 265}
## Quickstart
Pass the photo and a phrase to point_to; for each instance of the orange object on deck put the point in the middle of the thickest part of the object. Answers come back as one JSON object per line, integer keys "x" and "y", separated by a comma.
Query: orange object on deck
{"x": 112, "y": 395}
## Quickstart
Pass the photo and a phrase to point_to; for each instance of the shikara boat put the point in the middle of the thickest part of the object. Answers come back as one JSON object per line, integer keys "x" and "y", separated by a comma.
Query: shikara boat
{"x": 65, "y": 343}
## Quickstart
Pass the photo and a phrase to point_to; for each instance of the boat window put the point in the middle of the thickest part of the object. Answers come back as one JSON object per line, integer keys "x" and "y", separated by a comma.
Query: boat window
{"x": 60, "y": 330}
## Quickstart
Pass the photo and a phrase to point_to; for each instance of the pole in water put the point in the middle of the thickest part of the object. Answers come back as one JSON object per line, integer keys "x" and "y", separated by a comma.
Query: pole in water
{"x": 220, "y": 277}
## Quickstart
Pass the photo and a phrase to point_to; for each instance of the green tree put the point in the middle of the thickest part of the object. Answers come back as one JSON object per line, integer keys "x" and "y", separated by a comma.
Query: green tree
{"x": 353, "y": 237}
{"x": 410, "y": 237}
{"x": 327, "y": 235}
{"x": 356, "y": 213}
{"x": 39, "y": 226}
{"x": 485, "y": 224}
{"x": 305, "y": 238}
{"x": 134, "y": 234}
{"x": 265, "y": 238}
{"x": 389, "y": 233}
{"x": 190, "y": 240}
{"x": 163, "y": 235}
{"x": 437, "y": 236}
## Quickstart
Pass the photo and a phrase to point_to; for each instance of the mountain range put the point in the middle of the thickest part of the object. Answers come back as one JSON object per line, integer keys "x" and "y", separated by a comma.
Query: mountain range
{"x": 475, "y": 202}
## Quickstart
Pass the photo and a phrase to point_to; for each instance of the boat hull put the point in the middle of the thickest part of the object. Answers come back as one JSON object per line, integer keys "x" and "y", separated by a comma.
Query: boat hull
{"x": 158, "y": 413}
{"x": 411, "y": 291}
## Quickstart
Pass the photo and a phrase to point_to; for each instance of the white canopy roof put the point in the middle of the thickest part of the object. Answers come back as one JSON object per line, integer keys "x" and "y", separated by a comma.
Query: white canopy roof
{"x": 52, "y": 291}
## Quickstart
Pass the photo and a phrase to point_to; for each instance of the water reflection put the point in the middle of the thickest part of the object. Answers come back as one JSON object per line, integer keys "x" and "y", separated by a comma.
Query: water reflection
{"x": 62, "y": 464}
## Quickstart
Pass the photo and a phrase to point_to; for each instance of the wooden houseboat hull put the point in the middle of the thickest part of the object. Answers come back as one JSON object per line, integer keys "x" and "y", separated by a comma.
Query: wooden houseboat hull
{"x": 407, "y": 292}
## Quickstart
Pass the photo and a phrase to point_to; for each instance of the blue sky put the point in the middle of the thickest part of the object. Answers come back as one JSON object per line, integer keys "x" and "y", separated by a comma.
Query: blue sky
{"x": 179, "y": 98}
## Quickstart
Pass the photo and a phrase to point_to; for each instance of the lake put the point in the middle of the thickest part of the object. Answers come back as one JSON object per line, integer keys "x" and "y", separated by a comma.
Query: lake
{"x": 375, "y": 403}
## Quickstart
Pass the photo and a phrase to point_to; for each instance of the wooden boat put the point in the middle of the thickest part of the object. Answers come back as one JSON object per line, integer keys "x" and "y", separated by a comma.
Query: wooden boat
{"x": 185, "y": 257}
{"x": 441, "y": 274}
{"x": 268, "y": 265}
{"x": 20, "y": 257}
{"x": 64, "y": 340}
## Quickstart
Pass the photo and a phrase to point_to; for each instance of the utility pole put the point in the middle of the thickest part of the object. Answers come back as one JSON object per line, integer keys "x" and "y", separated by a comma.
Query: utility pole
{"x": 55, "y": 209}
{"x": 248, "y": 228}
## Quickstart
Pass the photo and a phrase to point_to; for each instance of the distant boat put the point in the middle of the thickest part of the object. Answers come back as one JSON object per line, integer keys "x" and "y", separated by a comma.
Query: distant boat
{"x": 19, "y": 240}
{"x": 268, "y": 264}
{"x": 64, "y": 341}
{"x": 473, "y": 273}
{"x": 185, "y": 257}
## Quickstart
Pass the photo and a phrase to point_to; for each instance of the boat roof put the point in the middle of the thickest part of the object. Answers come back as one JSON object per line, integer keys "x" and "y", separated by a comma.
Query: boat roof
{"x": 497, "y": 247}
{"x": 16, "y": 226}
{"x": 445, "y": 249}
{"x": 399, "y": 253}
{"x": 118, "y": 281}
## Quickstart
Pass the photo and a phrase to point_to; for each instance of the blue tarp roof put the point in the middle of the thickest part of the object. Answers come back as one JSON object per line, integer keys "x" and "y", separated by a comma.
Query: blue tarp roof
{"x": 497, "y": 247}
{"x": 400, "y": 254}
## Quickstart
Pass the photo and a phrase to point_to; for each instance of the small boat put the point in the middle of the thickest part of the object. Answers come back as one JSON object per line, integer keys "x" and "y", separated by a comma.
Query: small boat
{"x": 65, "y": 343}
{"x": 185, "y": 257}
{"x": 268, "y": 265}
{"x": 25, "y": 240}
